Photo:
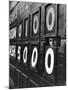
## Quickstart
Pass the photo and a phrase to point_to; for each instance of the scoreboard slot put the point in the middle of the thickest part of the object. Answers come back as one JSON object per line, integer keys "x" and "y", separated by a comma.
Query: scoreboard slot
{"x": 20, "y": 30}
{"x": 34, "y": 60}
{"x": 51, "y": 17}
{"x": 50, "y": 63}
{"x": 13, "y": 34}
{"x": 25, "y": 55}
{"x": 19, "y": 54}
{"x": 36, "y": 20}
{"x": 12, "y": 53}
{"x": 26, "y": 31}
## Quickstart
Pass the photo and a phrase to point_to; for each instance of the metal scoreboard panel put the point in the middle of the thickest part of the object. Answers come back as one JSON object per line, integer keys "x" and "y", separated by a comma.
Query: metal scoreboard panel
{"x": 50, "y": 63}
{"x": 13, "y": 34}
{"x": 62, "y": 21}
{"x": 51, "y": 20}
{"x": 26, "y": 30}
{"x": 34, "y": 56}
{"x": 20, "y": 30}
{"x": 61, "y": 63}
{"x": 36, "y": 21}
{"x": 12, "y": 53}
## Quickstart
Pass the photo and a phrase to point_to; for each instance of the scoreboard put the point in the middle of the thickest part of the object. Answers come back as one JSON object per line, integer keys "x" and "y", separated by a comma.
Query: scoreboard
{"x": 37, "y": 49}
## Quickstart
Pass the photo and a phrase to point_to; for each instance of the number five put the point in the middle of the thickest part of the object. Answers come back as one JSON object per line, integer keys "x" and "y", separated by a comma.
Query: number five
{"x": 19, "y": 56}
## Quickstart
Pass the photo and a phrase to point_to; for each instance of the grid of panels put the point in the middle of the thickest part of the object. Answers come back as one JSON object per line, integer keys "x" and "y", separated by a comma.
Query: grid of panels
{"x": 29, "y": 53}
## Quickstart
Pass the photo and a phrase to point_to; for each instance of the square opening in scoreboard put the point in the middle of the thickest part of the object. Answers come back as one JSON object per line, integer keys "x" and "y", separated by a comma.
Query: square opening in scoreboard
{"x": 12, "y": 53}
{"x": 19, "y": 54}
{"x": 36, "y": 23}
{"x": 34, "y": 56}
{"x": 51, "y": 20}
{"x": 13, "y": 34}
{"x": 50, "y": 63}
{"x": 25, "y": 55}
{"x": 26, "y": 31}
{"x": 20, "y": 30}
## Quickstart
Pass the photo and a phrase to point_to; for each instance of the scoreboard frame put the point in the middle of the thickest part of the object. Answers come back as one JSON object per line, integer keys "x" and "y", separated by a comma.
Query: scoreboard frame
{"x": 34, "y": 13}
{"x": 55, "y": 28}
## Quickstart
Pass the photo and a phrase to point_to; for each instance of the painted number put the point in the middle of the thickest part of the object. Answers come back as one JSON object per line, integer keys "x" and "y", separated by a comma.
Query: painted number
{"x": 34, "y": 57}
{"x": 51, "y": 53}
{"x": 25, "y": 54}
{"x": 19, "y": 53}
{"x": 35, "y": 24}
{"x": 50, "y": 19}
{"x": 20, "y": 30}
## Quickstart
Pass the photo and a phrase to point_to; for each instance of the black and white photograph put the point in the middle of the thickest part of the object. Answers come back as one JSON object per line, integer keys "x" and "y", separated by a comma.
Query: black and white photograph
{"x": 37, "y": 44}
